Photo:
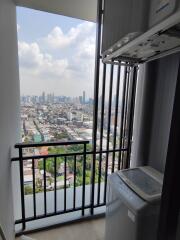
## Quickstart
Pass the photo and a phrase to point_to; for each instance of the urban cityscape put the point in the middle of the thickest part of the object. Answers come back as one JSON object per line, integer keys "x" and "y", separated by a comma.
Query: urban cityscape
{"x": 48, "y": 118}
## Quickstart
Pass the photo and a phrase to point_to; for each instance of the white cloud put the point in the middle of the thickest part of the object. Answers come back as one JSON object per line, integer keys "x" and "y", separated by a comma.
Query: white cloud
{"x": 44, "y": 68}
{"x": 33, "y": 59}
{"x": 30, "y": 55}
{"x": 57, "y": 39}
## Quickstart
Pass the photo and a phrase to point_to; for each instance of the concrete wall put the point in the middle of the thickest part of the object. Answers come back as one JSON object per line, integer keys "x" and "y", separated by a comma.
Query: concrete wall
{"x": 9, "y": 110}
{"x": 155, "y": 96}
{"x": 143, "y": 116}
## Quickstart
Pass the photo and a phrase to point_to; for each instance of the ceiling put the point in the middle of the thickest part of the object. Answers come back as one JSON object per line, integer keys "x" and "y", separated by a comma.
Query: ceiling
{"x": 81, "y": 9}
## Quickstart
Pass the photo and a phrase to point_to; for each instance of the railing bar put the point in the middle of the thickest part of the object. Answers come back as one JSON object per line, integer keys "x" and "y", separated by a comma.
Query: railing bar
{"x": 68, "y": 155}
{"x": 126, "y": 114}
{"x": 132, "y": 106}
{"x": 29, "y": 219}
{"x": 84, "y": 180}
{"x": 34, "y": 187}
{"x": 45, "y": 200}
{"x": 55, "y": 184}
{"x": 74, "y": 189}
{"x": 65, "y": 169}
{"x": 101, "y": 131}
{"x": 43, "y": 144}
{"x": 108, "y": 129}
{"x": 96, "y": 97}
{"x": 122, "y": 116}
{"x": 22, "y": 188}
{"x": 116, "y": 115}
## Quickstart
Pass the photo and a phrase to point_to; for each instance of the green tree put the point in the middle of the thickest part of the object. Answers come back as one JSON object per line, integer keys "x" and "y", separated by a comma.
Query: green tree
{"x": 28, "y": 190}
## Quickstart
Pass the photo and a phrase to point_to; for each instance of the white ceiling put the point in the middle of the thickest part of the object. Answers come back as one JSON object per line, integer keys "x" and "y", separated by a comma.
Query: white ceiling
{"x": 82, "y": 9}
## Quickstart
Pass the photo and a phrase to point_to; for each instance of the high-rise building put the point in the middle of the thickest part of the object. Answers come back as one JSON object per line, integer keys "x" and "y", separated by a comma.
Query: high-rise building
{"x": 52, "y": 98}
{"x": 84, "y": 97}
{"x": 91, "y": 101}
{"x": 81, "y": 99}
{"x": 43, "y": 97}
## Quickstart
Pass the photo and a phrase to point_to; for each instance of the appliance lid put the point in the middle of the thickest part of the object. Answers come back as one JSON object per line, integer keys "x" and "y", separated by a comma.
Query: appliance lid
{"x": 145, "y": 181}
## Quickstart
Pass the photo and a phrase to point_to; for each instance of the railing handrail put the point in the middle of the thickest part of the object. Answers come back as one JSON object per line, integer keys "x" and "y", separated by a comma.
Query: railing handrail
{"x": 44, "y": 144}
{"x": 67, "y": 154}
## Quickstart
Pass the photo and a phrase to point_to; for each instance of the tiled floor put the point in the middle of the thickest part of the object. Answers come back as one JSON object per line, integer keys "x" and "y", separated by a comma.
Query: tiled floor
{"x": 87, "y": 230}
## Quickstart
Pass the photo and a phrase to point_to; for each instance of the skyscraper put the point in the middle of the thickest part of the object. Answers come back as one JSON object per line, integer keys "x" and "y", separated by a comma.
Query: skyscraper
{"x": 81, "y": 99}
{"x": 84, "y": 97}
{"x": 43, "y": 97}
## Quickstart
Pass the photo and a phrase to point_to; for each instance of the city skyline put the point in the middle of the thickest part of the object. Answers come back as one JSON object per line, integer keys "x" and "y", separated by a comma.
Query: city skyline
{"x": 56, "y": 54}
{"x": 51, "y": 97}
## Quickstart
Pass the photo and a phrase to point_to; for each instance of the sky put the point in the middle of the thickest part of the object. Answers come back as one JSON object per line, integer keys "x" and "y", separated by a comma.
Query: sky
{"x": 56, "y": 54}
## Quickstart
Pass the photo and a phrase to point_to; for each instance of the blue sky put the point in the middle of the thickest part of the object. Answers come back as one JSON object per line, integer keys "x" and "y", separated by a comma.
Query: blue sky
{"x": 56, "y": 53}
{"x": 36, "y": 24}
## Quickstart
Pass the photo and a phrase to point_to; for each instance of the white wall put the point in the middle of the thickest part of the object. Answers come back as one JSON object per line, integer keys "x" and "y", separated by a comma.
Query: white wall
{"x": 138, "y": 112}
{"x": 143, "y": 115}
{"x": 166, "y": 78}
{"x": 153, "y": 112}
{"x": 9, "y": 110}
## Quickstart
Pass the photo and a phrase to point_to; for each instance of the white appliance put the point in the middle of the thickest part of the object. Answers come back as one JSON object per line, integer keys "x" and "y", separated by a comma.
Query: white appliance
{"x": 161, "y": 9}
{"x": 158, "y": 36}
{"x": 123, "y": 20}
{"x": 133, "y": 204}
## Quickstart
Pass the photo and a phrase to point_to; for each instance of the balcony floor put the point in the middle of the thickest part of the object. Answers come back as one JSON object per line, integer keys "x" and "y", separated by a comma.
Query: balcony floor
{"x": 87, "y": 230}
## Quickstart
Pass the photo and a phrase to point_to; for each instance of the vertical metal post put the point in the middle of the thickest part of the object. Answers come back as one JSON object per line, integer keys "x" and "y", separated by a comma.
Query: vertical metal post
{"x": 34, "y": 187}
{"x": 55, "y": 185}
{"x": 96, "y": 95}
{"x": 108, "y": 130}
{"x": 101, "y": 131}
{"x": 22, "y": 188}
{"x": 74, "y": 190}
{"x": 84, "y": 180}
{"x": 122, "y": 116}
{"x": 116, "y": 115}
{"x": 45, "y": 200}
{"x": 131, "y": 117}
{"x": 126, "y": 116}
{"x": 65, "y": 174}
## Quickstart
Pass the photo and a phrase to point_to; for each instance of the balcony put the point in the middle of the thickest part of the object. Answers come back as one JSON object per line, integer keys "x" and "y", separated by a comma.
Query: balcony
{"x": 61, "y": 187}
{"x": 155, "y": 136}
{"x": 70, "y": 185}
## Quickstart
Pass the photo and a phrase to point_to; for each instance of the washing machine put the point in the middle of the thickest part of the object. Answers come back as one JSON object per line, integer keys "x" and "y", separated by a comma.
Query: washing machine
{"x": 133, "y": 204}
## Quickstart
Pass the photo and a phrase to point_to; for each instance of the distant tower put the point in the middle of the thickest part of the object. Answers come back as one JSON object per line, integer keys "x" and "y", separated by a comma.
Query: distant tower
{"x": 53, "y": 98}
{"x": 43, "y": 97}
{"x": 84, "y": 97}
{"x": 81, "y": 99}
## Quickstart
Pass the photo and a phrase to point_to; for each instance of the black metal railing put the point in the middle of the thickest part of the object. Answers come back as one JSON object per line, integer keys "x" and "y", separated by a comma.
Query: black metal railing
{"x": 110, "y": 151}
{"x": 69, "y": 158}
